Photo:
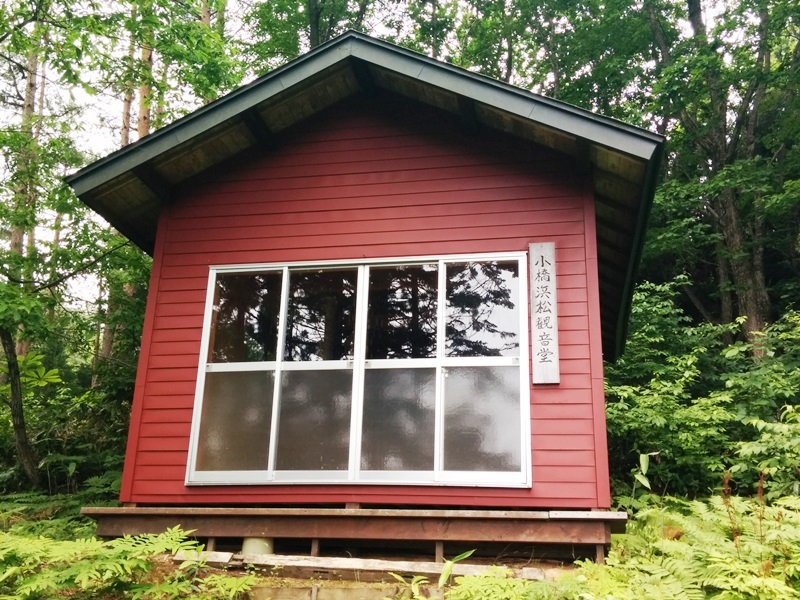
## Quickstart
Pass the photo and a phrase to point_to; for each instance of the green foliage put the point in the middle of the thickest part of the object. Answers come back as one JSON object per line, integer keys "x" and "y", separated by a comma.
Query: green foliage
{"x": 128, "y": 567}
{"x": 498, "y": 586}
{"x": 58, "y": 517}
{"x": 775, "y": 453}
{"x": 417, "y": 586}
{"x": 692, "y": 403}
{"x": 47, "y": 549}
{"x": 727, "y": 547}
{"x": 662, "y": 400}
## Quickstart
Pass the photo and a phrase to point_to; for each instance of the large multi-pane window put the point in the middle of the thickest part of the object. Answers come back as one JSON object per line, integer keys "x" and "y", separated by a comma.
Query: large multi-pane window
{"x": 383, "y": 372}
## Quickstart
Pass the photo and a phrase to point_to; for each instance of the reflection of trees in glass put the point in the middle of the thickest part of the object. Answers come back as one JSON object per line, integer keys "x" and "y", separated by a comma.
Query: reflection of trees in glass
{"x": 401, "y": 320}
{"x": 482, "y": 305}
{"x": 481, "y": 414}
{"x": 320, "y": 322}
{"x": 246, "y": 314}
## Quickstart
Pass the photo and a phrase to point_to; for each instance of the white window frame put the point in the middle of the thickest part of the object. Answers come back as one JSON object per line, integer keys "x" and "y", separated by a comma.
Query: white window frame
{"x": 354, "y": 474}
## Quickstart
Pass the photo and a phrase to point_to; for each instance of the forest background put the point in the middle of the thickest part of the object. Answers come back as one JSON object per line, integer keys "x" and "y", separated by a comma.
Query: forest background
{"x": 710, "y": 381}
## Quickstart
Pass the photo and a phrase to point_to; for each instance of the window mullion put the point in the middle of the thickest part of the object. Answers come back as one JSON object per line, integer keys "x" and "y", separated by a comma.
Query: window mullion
{"x": 438, "y": 443}
{"x": 276, "y": 392}
{"x": 359, "y": 357}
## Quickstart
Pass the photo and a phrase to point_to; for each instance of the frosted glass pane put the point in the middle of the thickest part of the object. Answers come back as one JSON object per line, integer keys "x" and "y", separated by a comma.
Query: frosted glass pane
{"x": 398, "y": 426}
{"x": 314, "y": 426}
{"x": 481, "y": 419}
{"x": 320, "y": 323}
{"x": 401, "y": 320}
{"x": 483, "y": 309}
{"x": 244, "y": 324}
{"x": 235, "y": 421}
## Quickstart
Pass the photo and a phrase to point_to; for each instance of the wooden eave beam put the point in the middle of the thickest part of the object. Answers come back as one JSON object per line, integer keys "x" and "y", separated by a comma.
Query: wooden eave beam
{"x": 614, "y": 227}
{"x": 583, "y": 158}
{"x": 614, "y": 203}
{"x": 364, "y": 77}
{"x": 468, "y": 115}
{"x": 606, "y": 183}
{"x": 154, "y": 181}
{"x": 263, "y": 135}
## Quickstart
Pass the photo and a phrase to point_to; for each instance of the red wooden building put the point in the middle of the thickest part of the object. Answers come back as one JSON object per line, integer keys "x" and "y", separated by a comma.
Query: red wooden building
{"x": 379, "y": 281}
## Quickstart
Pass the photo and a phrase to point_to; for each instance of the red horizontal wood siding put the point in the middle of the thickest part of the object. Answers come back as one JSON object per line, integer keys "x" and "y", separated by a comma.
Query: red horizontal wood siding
{"x": 366, "y": 181}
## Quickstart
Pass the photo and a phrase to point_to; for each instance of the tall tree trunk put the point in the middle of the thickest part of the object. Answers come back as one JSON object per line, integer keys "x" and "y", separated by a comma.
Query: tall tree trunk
{"x": 314, "y": 16}
{"x": 125, "y": 130}
{"x": 358, "y": 22}
{"x": 725, "y": 299}
{"x": 161, "y": 101}
{"x": 722, "y": 145}
{"x": 98, "y": 333}
{"x": 509, "y": 39}
{"x": 127, "y": 97}
{"x": 749, "y": 284}
{"x": 25, "y": 194}
{"x": 26, "y": 455}
{"x": 219, "y": 24}
{"x": 552, "y": 53}
{"x": 145, "y": 91}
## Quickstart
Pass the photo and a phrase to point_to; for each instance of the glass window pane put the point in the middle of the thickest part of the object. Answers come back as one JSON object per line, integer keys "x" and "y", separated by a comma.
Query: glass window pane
{"x": 320, "y": 322}
{"x": 401, "y": 320}
{"x": 244, "y": 324}
{"x": 235, "y": 421}
{"x": 481, "y": 419}
{"x": 398, "y": 426}
{"x": 483, "y": 309}
{"x": 314, "y": 426}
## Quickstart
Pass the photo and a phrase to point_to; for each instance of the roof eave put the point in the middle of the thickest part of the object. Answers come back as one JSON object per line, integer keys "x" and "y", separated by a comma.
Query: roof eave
{"x": 558, "y": 115}
{"x": 645, "y": 206}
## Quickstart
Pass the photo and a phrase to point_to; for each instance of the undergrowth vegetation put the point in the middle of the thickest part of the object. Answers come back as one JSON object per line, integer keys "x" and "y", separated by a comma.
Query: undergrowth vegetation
{"x": 724, "y": 548}
{"x": 47, "y": 550}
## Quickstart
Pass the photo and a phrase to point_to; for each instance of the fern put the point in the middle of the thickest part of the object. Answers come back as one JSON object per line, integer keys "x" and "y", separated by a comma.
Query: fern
{"x": 725, "y": 548}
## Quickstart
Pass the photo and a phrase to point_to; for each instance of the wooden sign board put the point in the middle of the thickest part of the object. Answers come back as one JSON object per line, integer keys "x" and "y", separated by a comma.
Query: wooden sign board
{"x": 544, "y": 313}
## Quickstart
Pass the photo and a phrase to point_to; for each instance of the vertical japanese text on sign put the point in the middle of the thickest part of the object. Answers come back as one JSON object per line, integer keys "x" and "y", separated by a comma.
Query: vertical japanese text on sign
{"x": 544, "y": 313}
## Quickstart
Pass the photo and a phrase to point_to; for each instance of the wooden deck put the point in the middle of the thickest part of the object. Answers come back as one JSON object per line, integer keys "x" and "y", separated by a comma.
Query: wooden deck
{"x": 556, "y": 527}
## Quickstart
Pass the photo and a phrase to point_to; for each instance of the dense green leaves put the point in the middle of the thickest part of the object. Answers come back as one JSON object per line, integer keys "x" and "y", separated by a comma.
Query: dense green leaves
{"x": 726, "y": 547}
{"x": 689, "y": 400}
{"x": 128, "y": 567}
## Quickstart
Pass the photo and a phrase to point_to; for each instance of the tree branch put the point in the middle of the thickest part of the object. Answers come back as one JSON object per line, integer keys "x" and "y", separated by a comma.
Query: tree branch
{"x": 58, "y": 280}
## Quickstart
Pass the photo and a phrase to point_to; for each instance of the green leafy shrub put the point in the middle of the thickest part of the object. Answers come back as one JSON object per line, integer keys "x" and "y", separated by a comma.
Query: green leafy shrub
{"x": 775, "y": 453}
{"x": 665, "y": 399}
{"x": 128, "y": 567}
{"x": 724, "y": 548}
{"x": 694, "y": 404}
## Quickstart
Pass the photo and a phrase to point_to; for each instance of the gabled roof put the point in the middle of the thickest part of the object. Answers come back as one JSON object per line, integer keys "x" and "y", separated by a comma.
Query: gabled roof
{"x": 129, "y": 187}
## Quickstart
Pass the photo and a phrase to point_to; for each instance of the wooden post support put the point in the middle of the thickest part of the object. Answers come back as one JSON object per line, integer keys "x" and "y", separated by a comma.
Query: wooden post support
{"x": 439, "y": 552}
{"x": 211, "y": 544}
{"x": 315, "y": 547}
{"x": 601, "y": 554}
